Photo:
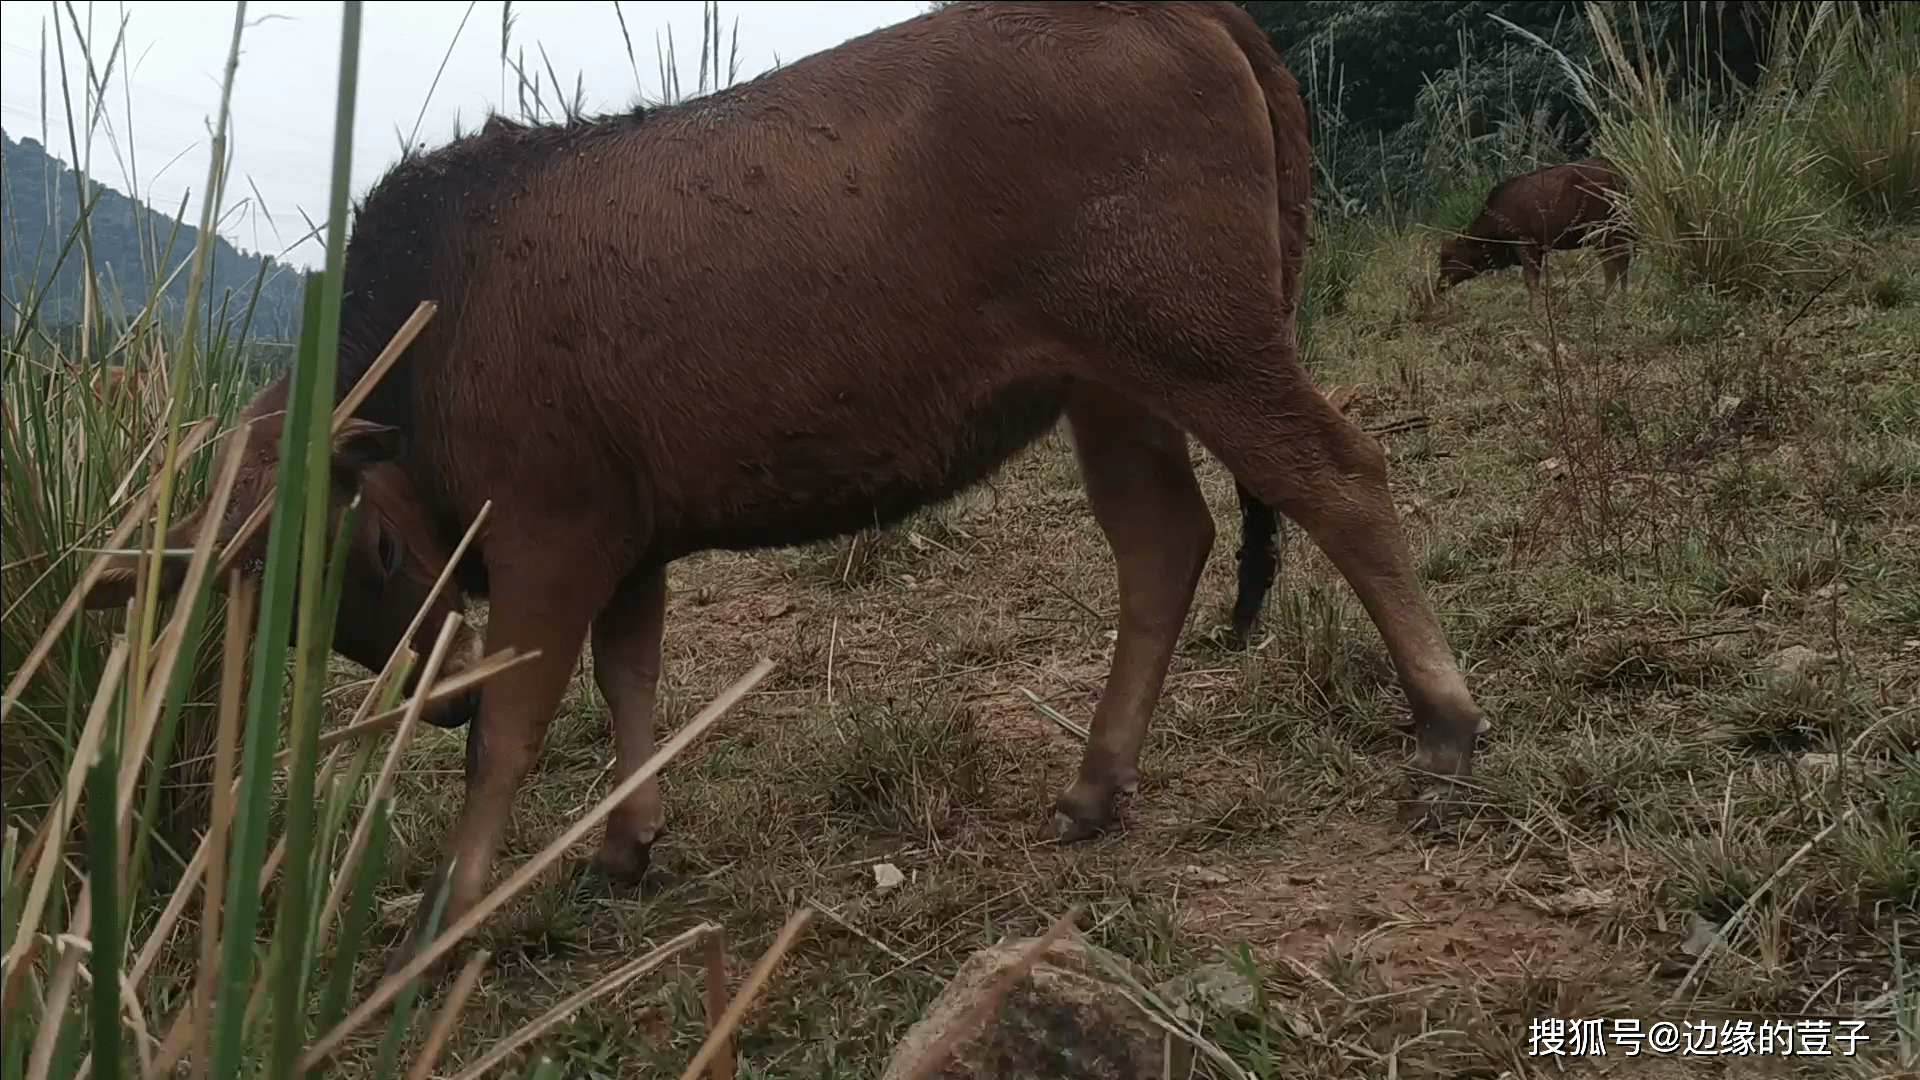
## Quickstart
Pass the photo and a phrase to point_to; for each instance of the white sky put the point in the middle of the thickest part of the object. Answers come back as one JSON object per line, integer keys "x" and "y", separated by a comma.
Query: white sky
{"x": 281, "y": 130}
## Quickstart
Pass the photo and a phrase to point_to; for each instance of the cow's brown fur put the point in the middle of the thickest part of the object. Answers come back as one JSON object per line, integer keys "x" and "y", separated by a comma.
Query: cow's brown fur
{"x": 819, "y": 300}
{"x": 1557, "y": 208}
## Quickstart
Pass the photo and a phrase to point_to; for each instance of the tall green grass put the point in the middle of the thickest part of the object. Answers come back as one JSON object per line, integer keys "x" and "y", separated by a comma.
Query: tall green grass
{"x": 84, "y": 411}
{"x": 1726, "y": 201}
{"x": 243, "y": 962}
{"x": 1865, "y": 118}
{"x": 1473, "y": 143}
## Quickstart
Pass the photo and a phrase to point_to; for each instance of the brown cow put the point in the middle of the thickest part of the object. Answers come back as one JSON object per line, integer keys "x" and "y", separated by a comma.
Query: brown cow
{"x": 1557, "y": 208}
{"x": 819, "y": 300}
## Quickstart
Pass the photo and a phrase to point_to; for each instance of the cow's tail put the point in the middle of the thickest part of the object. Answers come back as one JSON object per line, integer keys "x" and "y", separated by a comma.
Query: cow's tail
{"x": 1259, "y": 561}
{"x": 1260, "y": 527}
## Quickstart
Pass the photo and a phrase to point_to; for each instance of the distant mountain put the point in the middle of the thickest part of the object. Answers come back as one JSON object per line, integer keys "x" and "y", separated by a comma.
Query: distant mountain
{"x": 39, "y": 205}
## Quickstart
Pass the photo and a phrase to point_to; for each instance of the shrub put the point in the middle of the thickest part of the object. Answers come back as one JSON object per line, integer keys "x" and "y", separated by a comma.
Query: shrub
{"x": 1866, "y": 113}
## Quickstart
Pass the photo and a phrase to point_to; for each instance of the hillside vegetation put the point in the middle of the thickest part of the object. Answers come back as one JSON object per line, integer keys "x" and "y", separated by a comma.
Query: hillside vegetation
{"x": 133, "y": 247}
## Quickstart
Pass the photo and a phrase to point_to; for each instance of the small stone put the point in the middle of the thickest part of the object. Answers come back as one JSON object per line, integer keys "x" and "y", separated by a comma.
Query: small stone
{"x": 1552, "y": 469}
{"x": 1828, "y": 592}
{"x": 1822, "y": 765}
{"x": 1794, "y": 660}
{"x": 887, "y": 876}
{"x": 1207, "y": 876}
{"x": 1219, "y": 987}
{"x": 1727, "y": 406}
{"x": 1701, "y": 934}
{"x": 1580, "y": 901}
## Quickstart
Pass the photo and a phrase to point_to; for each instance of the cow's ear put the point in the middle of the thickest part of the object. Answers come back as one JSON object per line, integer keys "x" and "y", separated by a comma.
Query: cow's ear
{"x": 114, "y": 587}
{"x": 121, "y": 576}
{"x": 363, "y": 443}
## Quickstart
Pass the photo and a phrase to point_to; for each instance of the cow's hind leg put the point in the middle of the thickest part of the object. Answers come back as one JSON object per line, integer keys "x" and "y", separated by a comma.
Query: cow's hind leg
{"x": 542, "y": 601}
{"x": 1142, "y": 490}
{"x": 1295, "y": 452}
{"x": 626, "y": 666}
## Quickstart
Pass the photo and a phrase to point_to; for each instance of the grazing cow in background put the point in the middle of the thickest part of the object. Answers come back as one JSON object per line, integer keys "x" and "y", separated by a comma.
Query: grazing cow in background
{"x": 1557, "y": 208}
{"x": 819, "y": 300}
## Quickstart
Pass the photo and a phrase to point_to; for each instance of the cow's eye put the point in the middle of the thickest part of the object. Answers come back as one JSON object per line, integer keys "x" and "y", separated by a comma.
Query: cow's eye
{"x": 389, "y": 554}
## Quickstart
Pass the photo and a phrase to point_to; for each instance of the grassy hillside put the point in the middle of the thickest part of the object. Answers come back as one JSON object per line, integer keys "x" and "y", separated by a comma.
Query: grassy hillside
{"x": 132, "y": 246}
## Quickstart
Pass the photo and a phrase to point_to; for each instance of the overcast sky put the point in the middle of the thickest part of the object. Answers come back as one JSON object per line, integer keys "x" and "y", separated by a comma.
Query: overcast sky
{"x": 284, "y": 89}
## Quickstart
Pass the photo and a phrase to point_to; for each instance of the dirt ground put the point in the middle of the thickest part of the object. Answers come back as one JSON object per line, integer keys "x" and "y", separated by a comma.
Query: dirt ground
{"x": 1627, "y": 518}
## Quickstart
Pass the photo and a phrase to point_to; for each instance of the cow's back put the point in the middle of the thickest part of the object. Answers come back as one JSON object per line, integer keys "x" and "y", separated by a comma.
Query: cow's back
{"x": 1564, "y": 202}
{"x": 840, "y": 289}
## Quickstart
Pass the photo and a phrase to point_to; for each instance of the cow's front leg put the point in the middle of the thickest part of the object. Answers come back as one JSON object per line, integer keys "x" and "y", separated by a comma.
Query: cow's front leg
{"x": 541, "y": 603}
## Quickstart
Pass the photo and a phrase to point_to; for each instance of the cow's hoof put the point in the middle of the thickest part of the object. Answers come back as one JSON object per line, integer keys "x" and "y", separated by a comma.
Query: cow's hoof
{"x": 624, "y": 862}
{"x": 1080, "y": 814}
{"x": 455, "y": 712}
{"x": 1065, "y": 829}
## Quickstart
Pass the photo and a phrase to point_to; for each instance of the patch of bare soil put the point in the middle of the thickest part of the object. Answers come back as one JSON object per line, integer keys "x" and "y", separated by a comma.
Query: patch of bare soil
{"x": 1361, "y": 890}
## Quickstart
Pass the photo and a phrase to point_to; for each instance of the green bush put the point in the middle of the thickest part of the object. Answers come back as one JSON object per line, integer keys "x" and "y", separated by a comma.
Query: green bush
{"x": 1866, "y": 113}
{"x": 1717, "y": 197}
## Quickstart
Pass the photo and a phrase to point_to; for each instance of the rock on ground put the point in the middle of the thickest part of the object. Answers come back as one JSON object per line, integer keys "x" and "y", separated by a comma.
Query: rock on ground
{"x": 1066, "y": 1019}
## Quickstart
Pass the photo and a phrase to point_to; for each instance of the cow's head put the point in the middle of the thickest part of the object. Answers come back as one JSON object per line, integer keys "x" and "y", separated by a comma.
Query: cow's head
{"x": 391, "y": 566}
{"x": 1462, "y": 257}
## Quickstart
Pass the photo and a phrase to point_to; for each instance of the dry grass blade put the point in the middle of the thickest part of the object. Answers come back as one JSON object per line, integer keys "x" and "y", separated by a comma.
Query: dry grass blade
{"x": 153, "y": 694}
{"x": 1056, "y": 716}
{"x": 44, "y": 646}
{"x": 233, "y": 676}
{"x": 401, "y": 649}
{"x": 41, "y": 1063}
{"x": 88, "y": 746}
{"x": 403, "y": 337}
{"x": 448, "y": 1015}
{"x": 857, "y": 932}
{"x": 936, "y": 1054}
{"x": 211, "y": 853}
{"x": 186, "y": 1027}
{"x": 176, "y": 906}
{"x": 722, "y": 1034}
{"x": 1165, "y": 1018}
{"x": 343, "y": 877}
{"x": 480, "y": 672}
{"x": 484, "y": 671}
{"x": 716, "y": 964}
{"x": 607, "y": 984}
{"x": 390, "y": 987}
